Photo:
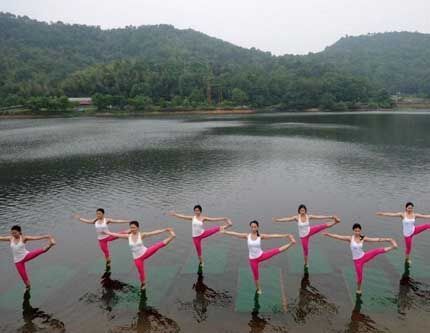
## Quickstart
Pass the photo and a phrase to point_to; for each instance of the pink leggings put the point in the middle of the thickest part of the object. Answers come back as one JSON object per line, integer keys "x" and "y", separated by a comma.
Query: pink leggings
{"x": 264, "y": 256}
{"x": 198, "y": 239}
{"x": 104, "y": 246}
{"x": 305, "y": 240}
{"x": 20, "y": 266}
{"x": 359, "y": 263}
{"x": 149, "y": 252}
{"x": 408, "y": 240}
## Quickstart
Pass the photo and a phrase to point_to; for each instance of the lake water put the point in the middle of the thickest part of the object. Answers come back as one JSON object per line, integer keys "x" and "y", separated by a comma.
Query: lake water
{"x": 243, "y": 166}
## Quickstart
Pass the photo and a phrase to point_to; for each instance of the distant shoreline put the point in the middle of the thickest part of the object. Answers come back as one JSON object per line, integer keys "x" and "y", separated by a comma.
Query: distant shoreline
{"x": 76, "y": 114}
{"x": 119, "y": 114}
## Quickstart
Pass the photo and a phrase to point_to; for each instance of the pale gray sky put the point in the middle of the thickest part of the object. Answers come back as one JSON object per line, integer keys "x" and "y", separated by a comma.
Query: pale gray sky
{"x": 279, "y": 26}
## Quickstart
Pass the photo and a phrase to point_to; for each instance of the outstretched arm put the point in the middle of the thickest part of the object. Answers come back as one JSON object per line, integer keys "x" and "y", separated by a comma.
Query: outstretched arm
{"x": 124, "y": 236}
{"x": 27, "y": 238}
{"x": 422, "y": 216}
{"x": 339, "y": 237}
{"x": 377, "y": 240}
{"x": 285, "y": 219}
{"x": 399, "y": 214}
{"x": 180, "y": 216}
{"x": 321, "y": 217}
{"x": 155, "y": 232}
{"x": 234, "y": 234}
{"x": 5, "y": 238}
{"x": 215, "y": 219}
{"x": 270, "y": 236}
{"x": 117, "y": 221}
{"x": 78, "y": 217}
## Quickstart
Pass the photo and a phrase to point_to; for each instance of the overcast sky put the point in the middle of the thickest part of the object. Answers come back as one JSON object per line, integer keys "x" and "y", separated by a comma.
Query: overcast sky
{"x": 278, "y": 26}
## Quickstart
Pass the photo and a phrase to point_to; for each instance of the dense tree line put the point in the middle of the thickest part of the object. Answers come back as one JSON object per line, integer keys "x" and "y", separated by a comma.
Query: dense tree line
{"x": 157, "y": 67}
{"x": 397, "y": 61}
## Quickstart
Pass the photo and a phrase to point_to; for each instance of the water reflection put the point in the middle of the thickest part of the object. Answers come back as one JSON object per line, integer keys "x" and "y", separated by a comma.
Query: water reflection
{"x": 36, "y": 319}
{"x": 311, "y": 302}
{"x": 149, "y": 320}
{"x": 206, "y": 296}
{"x": 258, "y": 323}
{"x": 361, "y": 322}
{"x": 412, "y": 294}
{"x": 109, "y": 295}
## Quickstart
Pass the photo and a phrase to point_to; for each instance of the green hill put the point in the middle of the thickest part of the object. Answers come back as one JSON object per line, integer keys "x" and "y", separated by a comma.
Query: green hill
{"x": 397, "y": 61}
{"x": 162, "y": 66}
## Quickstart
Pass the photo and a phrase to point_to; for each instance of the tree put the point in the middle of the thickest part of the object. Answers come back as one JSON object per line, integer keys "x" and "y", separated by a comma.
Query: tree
{"x": 238, "y": 96}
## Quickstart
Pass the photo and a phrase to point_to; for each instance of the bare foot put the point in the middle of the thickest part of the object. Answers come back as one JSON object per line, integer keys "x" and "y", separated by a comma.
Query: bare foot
{"x": 228, "y": 225}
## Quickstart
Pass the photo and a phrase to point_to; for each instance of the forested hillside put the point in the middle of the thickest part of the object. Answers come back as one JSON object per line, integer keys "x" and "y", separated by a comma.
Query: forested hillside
{"x": 163, "y": 67}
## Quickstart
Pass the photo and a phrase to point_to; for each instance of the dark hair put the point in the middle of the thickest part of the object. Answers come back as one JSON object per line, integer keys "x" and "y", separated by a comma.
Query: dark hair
{"x": 198, "y": 207}
{"x": 134, "y": 223}
{"x": 409, "y": 204}
{"x": 258, "y": 224}
{"x": 300, "y": 207}
{"x": 16, "y": 228}
{"x": 355, "y": 226}
{"x": 101, "y": 210}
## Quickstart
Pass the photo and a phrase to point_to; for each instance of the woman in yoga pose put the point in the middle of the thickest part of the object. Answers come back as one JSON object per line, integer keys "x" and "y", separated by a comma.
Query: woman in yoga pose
{"x": 409, "y": 228}
{"x": 360, "y": 257}
{"x": 198, "y": 232}
{"x": 101, "y": 225}
{"x": 256, "y": 254}
{"x": 139, "y": 252}
{"x": 20, "y": 254}
{"x": 305, "y": 230}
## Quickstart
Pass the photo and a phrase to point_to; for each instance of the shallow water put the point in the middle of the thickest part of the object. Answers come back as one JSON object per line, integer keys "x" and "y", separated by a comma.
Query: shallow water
{"x": 245, "y": 167}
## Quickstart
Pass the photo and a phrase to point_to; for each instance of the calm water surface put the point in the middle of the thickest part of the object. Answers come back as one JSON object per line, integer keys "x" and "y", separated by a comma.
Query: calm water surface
{"x": 245, "y": 167}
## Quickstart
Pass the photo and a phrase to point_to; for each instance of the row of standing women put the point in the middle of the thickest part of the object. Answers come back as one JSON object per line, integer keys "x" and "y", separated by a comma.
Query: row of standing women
{"x": 140, "y": 253}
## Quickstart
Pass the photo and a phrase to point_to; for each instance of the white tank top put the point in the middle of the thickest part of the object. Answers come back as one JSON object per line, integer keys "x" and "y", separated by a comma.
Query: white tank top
{"x": 254, "y": 247}
{"x": 137, "y": 248}
{"x": 356, "y": 249}
{"x": 304, "y": 227}
{"x": 100, "y": 228}
{"x": 197, "y": 226}
{"x": 408, "y": 226}
{"x": 18, "y": 250}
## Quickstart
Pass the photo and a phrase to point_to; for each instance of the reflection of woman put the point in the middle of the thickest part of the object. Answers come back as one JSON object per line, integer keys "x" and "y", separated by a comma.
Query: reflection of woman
{"x": 306, "y": 231}
{"x": 360, "y": 257}
{"x": 411, "y": 293}
{"x": 150, "y": 320}
{"x": 257, "y": 324}
{"x": 311, "y": 301}
{"x": 256, "y": 254}
{"x": 198, "y": 232}
{"x": 409, "y": 228}
{"x": 359, "y": 321}
{"x": 109, "y": 297}
{"x": 29, "y": 314}
{"x": 206, "y": 296}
